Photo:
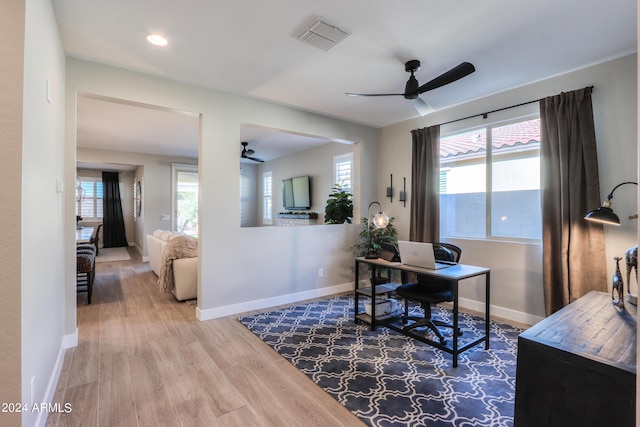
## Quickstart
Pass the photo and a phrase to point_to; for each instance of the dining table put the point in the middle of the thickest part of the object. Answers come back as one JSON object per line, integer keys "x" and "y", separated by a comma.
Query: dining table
{"x": 83, "y": 234}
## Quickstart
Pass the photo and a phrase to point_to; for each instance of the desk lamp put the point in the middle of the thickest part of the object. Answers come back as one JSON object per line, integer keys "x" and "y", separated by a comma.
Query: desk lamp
{"x": 379, "y": 220}
{"x": 604, "y": 214}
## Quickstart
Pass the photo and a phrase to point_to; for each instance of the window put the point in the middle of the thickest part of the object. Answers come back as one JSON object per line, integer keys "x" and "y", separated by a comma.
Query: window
{"x": 185, "y": 199}
{"x": 89, "y": 198}
{"x": 267, "y": 198}
{"x": 504, "y": 159}
{"x": 342, "y": 170}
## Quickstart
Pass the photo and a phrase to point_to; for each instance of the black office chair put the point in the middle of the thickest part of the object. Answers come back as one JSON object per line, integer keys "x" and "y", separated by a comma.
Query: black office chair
{"x": 428, "y": 291}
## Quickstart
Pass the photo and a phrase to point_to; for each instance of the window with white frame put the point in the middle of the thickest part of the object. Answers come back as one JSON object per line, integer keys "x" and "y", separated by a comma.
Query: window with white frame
{"x": 184, "y": 198}
{"x": 267, "y": 197}
{"x": 89, "y": 198}
{"x": 342, "y": 166}
{"x": 490, "y": 182}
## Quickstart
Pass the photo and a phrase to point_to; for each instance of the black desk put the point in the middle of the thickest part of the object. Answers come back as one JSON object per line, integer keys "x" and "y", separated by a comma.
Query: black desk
{"x": 454, "y": 274}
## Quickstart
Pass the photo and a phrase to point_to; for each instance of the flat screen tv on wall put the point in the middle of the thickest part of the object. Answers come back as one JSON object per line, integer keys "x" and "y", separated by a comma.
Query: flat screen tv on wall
{"x": 296, "y": 193}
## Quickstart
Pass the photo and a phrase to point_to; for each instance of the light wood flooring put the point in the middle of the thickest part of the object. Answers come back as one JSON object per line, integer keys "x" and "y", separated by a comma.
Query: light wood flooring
{"x": 144, "y": 359}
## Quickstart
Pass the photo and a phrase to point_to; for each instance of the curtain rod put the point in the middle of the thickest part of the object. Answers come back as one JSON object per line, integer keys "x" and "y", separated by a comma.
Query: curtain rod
{"x": 485, "y": 115}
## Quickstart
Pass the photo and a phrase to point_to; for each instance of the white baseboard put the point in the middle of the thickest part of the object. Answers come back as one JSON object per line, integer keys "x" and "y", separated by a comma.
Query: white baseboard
{"x": 71, "y": 340}
{"x": 214, "y": 313}
{"x": 68, "y": 341}
{"x": 505, "y": 313}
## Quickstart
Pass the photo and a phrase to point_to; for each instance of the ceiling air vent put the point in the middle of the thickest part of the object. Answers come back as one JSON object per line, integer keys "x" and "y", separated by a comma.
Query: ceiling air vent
{"x": 318, "y": 32}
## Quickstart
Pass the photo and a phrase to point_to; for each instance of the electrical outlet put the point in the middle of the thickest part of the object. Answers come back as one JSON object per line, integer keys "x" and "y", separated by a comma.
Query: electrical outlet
{"x": 321, "y": 272}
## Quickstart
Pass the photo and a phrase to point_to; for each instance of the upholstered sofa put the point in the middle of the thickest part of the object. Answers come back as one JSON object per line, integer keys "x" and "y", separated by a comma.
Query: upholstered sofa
{"x": 185, "y": 270}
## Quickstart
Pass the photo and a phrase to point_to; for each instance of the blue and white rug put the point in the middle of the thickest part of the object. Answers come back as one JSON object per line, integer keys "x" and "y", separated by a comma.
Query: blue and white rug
{"x": 387, "y": 379}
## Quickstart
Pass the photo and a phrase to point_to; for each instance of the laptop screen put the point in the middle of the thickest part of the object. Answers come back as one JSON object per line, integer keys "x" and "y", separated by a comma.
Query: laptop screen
{"x": 419, "y": 254}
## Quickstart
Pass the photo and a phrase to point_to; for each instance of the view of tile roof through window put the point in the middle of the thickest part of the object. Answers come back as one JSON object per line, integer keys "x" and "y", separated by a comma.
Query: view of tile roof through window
{"x": 518, "y": 134}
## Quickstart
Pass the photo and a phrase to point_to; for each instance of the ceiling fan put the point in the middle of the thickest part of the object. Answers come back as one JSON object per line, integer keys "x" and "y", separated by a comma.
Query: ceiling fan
{"x": 413, "y": 90}
{"x": 248, "y": 153}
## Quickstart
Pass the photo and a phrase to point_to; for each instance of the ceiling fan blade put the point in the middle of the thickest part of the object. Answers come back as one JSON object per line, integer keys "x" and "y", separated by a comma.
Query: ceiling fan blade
{"x": 373, "y": 94}
{"x": 255, "y": 159}
{"x": 456, "y": 73}
{"x": 422, "y": 107}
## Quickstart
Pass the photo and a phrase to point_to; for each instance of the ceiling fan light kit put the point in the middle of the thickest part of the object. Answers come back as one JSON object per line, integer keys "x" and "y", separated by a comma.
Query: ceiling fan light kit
{"x": 413, "y": 90}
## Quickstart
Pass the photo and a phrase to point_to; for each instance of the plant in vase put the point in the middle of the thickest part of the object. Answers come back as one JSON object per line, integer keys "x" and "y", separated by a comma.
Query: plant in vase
{"x": 371, "y": 237}
{"x": 339, "y": 207}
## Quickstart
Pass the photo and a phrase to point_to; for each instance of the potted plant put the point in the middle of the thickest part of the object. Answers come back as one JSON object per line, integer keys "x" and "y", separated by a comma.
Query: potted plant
{"x": 339, "y": 207}
{"x": 371, "y": 237}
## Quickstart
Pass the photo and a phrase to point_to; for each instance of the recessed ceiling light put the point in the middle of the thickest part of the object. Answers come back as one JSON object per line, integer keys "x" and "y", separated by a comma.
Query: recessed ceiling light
{"x": 157, "y": 40}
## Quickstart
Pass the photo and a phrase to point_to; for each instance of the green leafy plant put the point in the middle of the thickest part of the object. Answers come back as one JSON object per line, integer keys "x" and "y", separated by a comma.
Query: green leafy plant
{"x": 371, "y": 237}
{"x": 339, "y": 207}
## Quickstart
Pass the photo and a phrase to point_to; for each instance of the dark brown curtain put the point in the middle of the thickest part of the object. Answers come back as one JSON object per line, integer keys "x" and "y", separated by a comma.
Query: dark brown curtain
{"x": 113, "y": 229}
{"x": 573, "y": 249}
{"x": 424, "y": 225}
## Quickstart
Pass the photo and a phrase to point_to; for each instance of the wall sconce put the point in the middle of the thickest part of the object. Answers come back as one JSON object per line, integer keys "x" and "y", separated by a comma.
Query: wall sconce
{"x": 604, "y": 214}
{"x": 390, "y": 189}
{"x": 403, "y": 193}
{"x": 379, "y": 220}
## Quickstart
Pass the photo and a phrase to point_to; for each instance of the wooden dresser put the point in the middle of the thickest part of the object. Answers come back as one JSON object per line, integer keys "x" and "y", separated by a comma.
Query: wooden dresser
{"x": 577, "y": 367}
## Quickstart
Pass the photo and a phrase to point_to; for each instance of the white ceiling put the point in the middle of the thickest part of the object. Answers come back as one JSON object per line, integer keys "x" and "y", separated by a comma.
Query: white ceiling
{"x": 246, "y": 48}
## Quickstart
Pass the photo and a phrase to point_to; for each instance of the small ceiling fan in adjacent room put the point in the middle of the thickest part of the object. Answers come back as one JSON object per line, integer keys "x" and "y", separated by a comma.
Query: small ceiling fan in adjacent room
{"x": 248, "y": 153}
{"x": 413, "y": 90}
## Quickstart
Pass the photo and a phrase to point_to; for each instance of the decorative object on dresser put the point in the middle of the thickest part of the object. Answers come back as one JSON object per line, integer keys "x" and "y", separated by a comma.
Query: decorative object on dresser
{"x": 617, "y": 287}
{"x": 577, "y": 367}
{"x": 631, "y": 258}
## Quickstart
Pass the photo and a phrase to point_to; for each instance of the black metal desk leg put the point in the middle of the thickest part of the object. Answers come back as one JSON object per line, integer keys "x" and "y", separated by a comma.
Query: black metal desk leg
{"x": 373, "y": 297}
{"x": 487, "y": 303}
{"x": 455, "y": 324}
{"x": 356, "y": 298}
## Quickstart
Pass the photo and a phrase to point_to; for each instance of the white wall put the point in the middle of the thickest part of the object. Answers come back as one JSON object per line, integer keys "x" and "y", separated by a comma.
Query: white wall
{"x": 284, "y": 263}
{"x": 516, "y": 268}
{"x": 43, "y": 210}
{"x": 249, "y": 195}
{"x": 316, "y": 162}
{"x": 156, "y": 173}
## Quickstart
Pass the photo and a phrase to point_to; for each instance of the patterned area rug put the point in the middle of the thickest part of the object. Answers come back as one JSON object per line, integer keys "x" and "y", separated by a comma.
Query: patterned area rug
{"x": 387, "y": 379}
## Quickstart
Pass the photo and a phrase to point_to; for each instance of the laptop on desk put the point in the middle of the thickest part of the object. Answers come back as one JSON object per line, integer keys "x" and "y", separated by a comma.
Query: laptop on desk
{"x": 418, "y": 254}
